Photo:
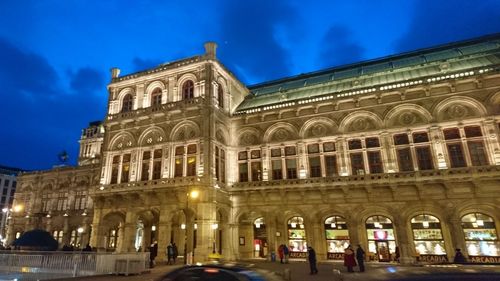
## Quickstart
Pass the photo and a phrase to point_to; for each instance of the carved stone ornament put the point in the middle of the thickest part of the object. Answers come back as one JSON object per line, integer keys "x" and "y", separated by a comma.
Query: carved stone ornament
{"x": 248, "y": 139}
{"x": 457, "y": 111}
{"x": 281, "y": 135}
{"x": 360, "y": 124}
{"x": 318, "y": 130}
{"x": 407, "y": 118}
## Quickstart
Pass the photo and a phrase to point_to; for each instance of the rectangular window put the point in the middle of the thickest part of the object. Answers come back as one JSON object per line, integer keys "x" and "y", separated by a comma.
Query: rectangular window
{"x": 157, "y": 170}
{"x": 314, "y": 167}
{"x": 456, "y": 155}
{"x": 242, "y": 155}
{"x": 6, "y": 183}
{"x": 424, "y": 158}
{"x": 355, "y": 144}
{"x": 191, "y": 149}
{"x": 179, "y": 150}
{"x": 313, "y": 148}
{"x": 145, "y": 171}
{"x": 473, "y": 131}
{"x": 114, "y": 169}
{"x": 451, "y": 134}
{"x": 291, "y": 168}
{"x": 255, "y": 154}
{"x": 330, "y": 165}
{"x": 328, "y": 146}
{"x": 420, "y": 137}
{"x": 178, "y": 169}
{"x": 405, "y": 161}
{"x": 375, "y": 162}
{"x": 277, "y": 170}
{"x": 191, "y": 166}
{"x": 243, "y": 169}
{"x": 477, "y": 153}
{"x": 125, "y": 168}
{"x": 290, "y": 150}
{"x": 372, "y": 142}
{"x": 275, "y": 152}
{"x": 255, "y": 168}
{"x": 357, "y": 164}
{"x": 400, "y": 139}
{"x": 222, "y": 166}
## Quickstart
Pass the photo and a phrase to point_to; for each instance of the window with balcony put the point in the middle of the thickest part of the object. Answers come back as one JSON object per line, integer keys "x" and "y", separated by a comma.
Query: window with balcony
{"x": 220, "y": 96}
{"x": 454, "y": 146}
{"x": 146, "y": 159}
{"x": 250, "y": 168}
{"x": 157, "y": 161}
{"x": 80, "y": 200}
{"x": 156, "y": 97}
{"x": 125, "y": 176}
{"x": 403, "y": 152}
{"x": 423, "y": 151}
{"x": 475, "y": 144}
{"x": 220, "y": 164}
{"x": 127, "y": 103}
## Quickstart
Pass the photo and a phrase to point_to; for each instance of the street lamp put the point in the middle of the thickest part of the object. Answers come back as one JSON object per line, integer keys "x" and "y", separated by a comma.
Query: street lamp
{"x": 193, "y": 195}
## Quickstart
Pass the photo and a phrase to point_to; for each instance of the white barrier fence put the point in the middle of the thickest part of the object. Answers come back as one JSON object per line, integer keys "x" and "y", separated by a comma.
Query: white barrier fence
{"x": 73, "y": 263}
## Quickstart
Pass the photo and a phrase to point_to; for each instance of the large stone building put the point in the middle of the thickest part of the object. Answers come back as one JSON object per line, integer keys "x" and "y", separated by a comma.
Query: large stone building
{"x": 399, "y": 154}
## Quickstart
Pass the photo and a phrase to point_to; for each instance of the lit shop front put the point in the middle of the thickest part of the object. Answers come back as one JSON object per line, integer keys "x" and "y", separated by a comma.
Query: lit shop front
{"x": 481, "y": 238}
{"x": 381, "y": 241}
{"x": 259, "y": 238}
{"x": 297, "y": 238}
{"x": 337, "y": 237}
{"x": 428, "y": 239}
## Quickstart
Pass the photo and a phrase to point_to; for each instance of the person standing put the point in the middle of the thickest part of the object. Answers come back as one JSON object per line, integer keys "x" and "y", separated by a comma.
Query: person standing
{"x": 286, "y": 252}
{"x": 459, "y": 257}
{"x": 281, "y": 253}
{"x": 349, "y": 260}
{"x": 360, "y": 257}
{"x": 311, "y": 256}
{"x": 153, "y": 252}
{"x": 170, "y": 253}
{"x": 176, "y": 251}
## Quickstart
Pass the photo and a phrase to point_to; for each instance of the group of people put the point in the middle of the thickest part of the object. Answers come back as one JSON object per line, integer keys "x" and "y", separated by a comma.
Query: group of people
{"x": 171, "y": 253}
{"x": 283, "y": 253}
{"x": 351, "y": 256}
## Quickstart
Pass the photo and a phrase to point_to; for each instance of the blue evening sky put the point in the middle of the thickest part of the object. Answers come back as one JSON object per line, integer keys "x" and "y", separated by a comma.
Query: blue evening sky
{"x": 55, "y": 55}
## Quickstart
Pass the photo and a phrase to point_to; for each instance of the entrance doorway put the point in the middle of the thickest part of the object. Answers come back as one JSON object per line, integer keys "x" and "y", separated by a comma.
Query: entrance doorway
{"x": 383, "y": 252}
{"x": 260, "y": 248}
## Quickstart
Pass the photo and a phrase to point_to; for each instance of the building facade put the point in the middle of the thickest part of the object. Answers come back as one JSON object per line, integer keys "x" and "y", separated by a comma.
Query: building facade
{"x": 399, "y": 154}
{"x": 8, "y": 183}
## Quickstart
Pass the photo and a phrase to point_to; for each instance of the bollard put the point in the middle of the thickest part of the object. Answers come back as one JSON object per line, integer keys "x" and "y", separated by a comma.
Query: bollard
{"x": 287, "y": 274}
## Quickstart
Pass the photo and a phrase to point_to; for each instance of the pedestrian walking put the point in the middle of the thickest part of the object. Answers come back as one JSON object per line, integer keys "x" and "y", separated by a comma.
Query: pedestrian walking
{"x": 281, "y": 253}
{"x": 349, "y": 260}
{"x": 170, "y": 253}
{"x": 176, "y": 251}
{"x": 360, "y": 257}
{"x": 311, "y": 256}
{"x": 397, "y": 254}
{"x": 286, "y": 252}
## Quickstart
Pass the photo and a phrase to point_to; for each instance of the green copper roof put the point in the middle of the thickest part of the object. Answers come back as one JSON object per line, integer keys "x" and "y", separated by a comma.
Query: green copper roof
{"x": 449, "y": 58}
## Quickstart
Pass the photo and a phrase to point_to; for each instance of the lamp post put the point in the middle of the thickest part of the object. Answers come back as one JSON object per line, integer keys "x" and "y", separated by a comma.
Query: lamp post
{"x": 187, "y": 226}
{"x": 215, "y": 226}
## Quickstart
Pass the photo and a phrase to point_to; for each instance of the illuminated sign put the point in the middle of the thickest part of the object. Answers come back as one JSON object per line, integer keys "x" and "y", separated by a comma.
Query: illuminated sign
{"x": 335, "y": 256}
{"x": 432, "y": 258}
{"x": 484, "y": 259}
{"x": 380, "y": 234}
{"x": 298, "y": 254}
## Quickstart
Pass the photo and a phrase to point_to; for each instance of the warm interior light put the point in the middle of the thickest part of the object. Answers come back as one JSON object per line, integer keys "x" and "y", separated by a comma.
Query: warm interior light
{"x": 153, "y": 228}
{"x": 195, "y": 226}
{"x": 301, "y": 225}
{"x": 333, "y": 225}
{"x": 80, "y": 230}
{"x": 293, "y": 225}
{"x": 377, "y": 224}
{"x": 425, "y": 224}
{"x": 101, "y": 188}
{"x": 257, "y": 225}
{"x": 480, "y": 222}
{"x": 194, "y": 194}
{"x": 48, "y": 215}
{"x": 18, "y": 208}
{"x": 5, "y": 210}
{"x": 474, "y": 224}
{"x": 183, "y": 226}
{"x": 215, "y": 226}
{"x": 65, "y": 215}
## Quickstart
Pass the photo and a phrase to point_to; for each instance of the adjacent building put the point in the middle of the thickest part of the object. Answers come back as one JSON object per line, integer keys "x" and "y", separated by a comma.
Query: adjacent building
{"x": 399, "y": 154}
{"x": 8, "y": 185}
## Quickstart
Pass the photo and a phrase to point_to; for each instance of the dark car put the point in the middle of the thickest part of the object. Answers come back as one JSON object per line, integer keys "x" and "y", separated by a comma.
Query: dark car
{"x": 220, "y": 272}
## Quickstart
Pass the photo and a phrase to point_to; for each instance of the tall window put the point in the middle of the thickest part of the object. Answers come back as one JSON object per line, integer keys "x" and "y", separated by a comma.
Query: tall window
{"x": 45, "y": 202}
{"x": 112, "y": 238}
{"x": 191, "y": 160}
{"x": 297, "y": 237}
{"x": 276, "y": 164}
{"x": 337, "y": 237}
{"x": 188, "y": 90}
{"x": 423, "y": 151}
{"x": 58, "y": 235}
{"x": 330, "y": 159}
{"x": 291, "y": 162}
{"x": 80, "y": 200}
{"x": 127, "y": 103}
{"x": 356, "y": 155}
{"x": 314, "y": 160}
{"x": 114, "y": 169}
{"x": 220, "y": 96}
{"x": 75, "y": 239}
{"x": 381, "y": 241}
{"x": 62, "y": 201}
{"x": 185, "y": 161}
{"x": 125, "y": 177}
{"x": 157, "y": 160}
{"x": 475, "y": 144}
{"x": 454, "y": 145}
{"x": 250, "y": 168}
{"x": 220, "y": 164}
{"x": 146, "y": 158}
{"x": 179, "y": 161}
{"x": 156, "y": 97}
{"x": 403, "y": 151}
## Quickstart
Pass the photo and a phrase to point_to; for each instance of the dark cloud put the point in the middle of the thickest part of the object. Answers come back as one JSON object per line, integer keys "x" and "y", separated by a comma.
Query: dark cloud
{"x": 40, "y": 117}
{"x": 248, "y": 39}
{"x": 339, "y": 48}
{"x": 449, "y": 20}
{"x": 87, "y": 80}
{"x": 139, "y": 64}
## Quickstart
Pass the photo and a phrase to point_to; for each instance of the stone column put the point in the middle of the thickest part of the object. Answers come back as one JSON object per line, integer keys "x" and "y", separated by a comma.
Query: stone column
{"x": 319, "y": 240}
{"x": 97, "y": 237}
{"x": 387, "y": 152}
{"x": 491, "y": 141}
{"x": 344, "y": 169}
{"x": 270, "y": 223}
{"x": 128, "y": 233}
{"x": 403, "y": 241}
{"x": 457, "y": 236}
{"x": 438, "y": 145}
{"x": 354, "y": 228}
{"x": 164, "y": 232}
{"x": 66, "y": 232}
{"x": 206, "y": 217}
{"x": 232, "y": 242}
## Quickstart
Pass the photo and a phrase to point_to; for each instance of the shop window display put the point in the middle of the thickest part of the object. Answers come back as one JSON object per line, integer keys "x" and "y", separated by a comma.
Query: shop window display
{"x": 427, "y": 235}
{"x": 480, "y": 234}
{"x": 297, "y": 237}
{"x": 337, "y": 237}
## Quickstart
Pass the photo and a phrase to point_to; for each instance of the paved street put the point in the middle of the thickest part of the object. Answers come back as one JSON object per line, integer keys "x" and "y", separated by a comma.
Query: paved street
{"x": 300, "y": 271}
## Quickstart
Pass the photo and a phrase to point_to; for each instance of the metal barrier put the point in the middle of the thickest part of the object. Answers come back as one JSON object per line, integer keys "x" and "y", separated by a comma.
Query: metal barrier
{"x": 73, "y": 263}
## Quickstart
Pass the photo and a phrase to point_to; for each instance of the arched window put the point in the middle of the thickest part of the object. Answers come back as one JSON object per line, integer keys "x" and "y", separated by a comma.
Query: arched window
{"x": 428, "y": 236}
{"x": 297, "y": 243}
{"x": 220, "y": 96}
{"x": 188, "y": 90}
{"x": 156, "y": 97}
{"x": 381, "y": 241}
{"x": 58, "y": 235}
{"x": 259, "y": 238}
{"x": 480, "y": 233}
{"x": 337, "y": 237}
{"x": 127, "y": 103}
{"x": 112, "y": 238}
